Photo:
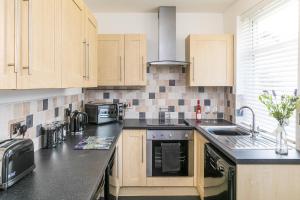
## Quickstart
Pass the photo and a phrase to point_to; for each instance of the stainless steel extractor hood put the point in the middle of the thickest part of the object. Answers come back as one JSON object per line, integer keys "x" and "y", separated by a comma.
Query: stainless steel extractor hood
{"x": 167, "y": 37}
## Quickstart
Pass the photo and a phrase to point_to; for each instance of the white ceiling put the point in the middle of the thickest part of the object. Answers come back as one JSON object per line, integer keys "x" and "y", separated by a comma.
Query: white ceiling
{"x": 152, "y": 5}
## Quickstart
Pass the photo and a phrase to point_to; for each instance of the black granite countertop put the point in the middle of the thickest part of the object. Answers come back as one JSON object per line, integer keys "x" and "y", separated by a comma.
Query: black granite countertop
{"x": 68, "y": 174}
{"x": 64, "y": 173}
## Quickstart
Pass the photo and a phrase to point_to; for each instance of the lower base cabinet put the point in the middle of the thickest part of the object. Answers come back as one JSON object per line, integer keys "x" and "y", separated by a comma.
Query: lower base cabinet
{"x": 268, "y": 182}
{"x": 200, "y": 142}
{"x": 134, "y": 158}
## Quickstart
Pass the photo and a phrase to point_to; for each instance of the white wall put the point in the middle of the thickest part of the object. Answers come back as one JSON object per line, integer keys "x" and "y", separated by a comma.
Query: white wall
{"x": 197, "y": 23}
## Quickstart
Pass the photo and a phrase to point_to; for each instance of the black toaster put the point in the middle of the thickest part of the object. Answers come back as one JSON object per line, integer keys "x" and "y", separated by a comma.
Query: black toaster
{"x": 16, "y": 160}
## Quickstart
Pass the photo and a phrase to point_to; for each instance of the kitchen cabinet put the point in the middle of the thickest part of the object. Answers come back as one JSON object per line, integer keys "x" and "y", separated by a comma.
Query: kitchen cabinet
{"x": 261, "y": 182}
{"x": 73, "y": 44}
{"x": 39, "y": 62}
{"x": 135, "y": 60}
{"x": 200, "y": 142}
{"x": 43, "y": 39}
{"x": 110, "y": 60}
{"x": 122, "y": 60}
{"x": 134, "y": 158}
{"x": 8, "y": 76}
{"x": 211, "y": 60}
{"x": 90, "y": 56}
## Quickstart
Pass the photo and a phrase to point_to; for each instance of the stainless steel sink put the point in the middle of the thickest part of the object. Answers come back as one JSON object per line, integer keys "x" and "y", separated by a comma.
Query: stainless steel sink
{"x": 227, "y": 131}
{"x": 235, "y": 137}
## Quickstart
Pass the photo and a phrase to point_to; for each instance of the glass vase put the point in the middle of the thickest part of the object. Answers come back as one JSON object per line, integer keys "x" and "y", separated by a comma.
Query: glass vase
{"x": 281, "y": 139}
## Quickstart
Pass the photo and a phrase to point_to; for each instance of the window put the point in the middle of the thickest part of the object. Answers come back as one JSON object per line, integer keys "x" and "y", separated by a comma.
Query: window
{"x": 267, "y": 59}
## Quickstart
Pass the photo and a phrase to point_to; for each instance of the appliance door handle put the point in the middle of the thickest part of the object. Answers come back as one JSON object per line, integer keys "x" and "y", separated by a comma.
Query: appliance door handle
{"x": 231, "y": 184}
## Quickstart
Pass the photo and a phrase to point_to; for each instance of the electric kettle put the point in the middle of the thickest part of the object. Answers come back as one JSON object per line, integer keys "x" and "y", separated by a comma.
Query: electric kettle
{"x": 78, "y": 121}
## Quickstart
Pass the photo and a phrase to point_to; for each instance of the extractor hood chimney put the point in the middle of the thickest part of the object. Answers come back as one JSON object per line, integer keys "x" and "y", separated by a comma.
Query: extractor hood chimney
{"x": 167, "y": 37}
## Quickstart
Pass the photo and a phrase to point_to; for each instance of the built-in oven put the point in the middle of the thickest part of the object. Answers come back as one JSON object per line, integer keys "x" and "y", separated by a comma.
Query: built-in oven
{"x": 219, "y": 176}
{"x": 170, "y": 153}
{"x": 105, "y": 190}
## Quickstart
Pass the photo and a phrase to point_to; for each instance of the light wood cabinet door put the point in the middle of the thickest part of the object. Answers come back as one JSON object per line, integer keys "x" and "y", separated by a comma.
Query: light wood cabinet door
{"x": 90, "y": 72}
{"x": 267, "y": 182}
{"x": 110, "y": 60}
{"x": 200, "y": 142}
{"x": 7, "y": 45}
{"x": 134, "y": 157}
{"x": 135, "y": 60}
{"x": 211, "y": 60}
{"x": 40, "y": 66}
{"x": 73, "y": 44}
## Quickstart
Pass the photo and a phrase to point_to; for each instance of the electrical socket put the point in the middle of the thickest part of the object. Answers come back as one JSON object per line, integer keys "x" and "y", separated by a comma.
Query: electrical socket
{"x": 15, "y": 128}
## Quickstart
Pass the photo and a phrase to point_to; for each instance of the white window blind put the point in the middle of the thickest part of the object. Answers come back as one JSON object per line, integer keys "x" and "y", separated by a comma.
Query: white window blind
{"x": 267, "y": 59}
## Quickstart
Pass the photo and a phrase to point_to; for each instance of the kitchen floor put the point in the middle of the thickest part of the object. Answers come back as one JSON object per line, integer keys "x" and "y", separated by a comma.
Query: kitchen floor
{"x": 161, "y": 198}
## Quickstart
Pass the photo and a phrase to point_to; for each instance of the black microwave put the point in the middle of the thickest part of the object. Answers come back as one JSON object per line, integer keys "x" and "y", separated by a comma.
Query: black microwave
{"x": 101, "y": 113}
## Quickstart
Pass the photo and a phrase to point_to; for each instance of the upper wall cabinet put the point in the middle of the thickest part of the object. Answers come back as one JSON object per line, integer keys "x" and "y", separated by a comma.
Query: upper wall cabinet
{"x": 8, "y": 69}
{"x": 122, "y": 60}
{"x": 47, "y": 44}
{"x": 90, "y": 57}
{"x": 135, "y": 60}
{"x": 211, "y": 60}
{"x": 110, "y": 60}
{"x": 39, "y": 62}
{"x": 73, "y": 43}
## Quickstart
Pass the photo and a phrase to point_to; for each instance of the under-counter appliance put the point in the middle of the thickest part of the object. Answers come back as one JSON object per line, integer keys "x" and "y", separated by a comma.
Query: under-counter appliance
{"x": 100, "y": 192}
{"x": 104, "y": 189}
{"x": 17, "y": 160}
{"x": 170, "y": 152}
{"x": 219, "y": 176}
{"x": 101, "y": 113}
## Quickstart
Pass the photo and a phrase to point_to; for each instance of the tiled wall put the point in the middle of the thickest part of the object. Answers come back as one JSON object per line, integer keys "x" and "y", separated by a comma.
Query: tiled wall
{"x": 167, "y": 88}
{"x": 35, "y": 113}
{"x": 230, "y": 104}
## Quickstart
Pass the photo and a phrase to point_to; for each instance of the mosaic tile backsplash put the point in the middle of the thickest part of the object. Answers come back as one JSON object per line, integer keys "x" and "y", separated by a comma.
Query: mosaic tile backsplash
{"x": 35, "y": 113}
{"x": 166, "y": 88}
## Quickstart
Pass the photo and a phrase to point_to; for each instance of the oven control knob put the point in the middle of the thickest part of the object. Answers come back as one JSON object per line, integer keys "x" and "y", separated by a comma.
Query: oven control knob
{"x": 171, "y": 135}
{"x": 186, "y": 135}
{"x": 153, "y": 136}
